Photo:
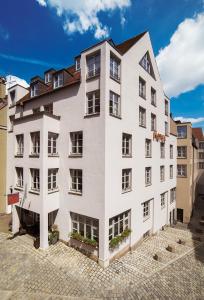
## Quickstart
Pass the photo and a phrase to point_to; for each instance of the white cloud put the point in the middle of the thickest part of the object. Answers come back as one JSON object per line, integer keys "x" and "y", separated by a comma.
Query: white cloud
{"x": 13, "y": 80}
{"x": 181, "y": 63}
{"x": 82, "y": 15}
{"x": 192, "y": 120}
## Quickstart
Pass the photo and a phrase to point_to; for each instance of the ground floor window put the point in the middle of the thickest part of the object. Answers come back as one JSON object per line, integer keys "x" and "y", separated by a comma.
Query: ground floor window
{"x": 118, "y": 224}
{"x": 86, "y": 226}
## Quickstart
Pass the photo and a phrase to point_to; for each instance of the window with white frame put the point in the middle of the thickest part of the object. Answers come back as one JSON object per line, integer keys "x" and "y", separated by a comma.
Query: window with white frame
{"x": 35, "y": 139}
{"x": 162, "y": 173}
{"x": 162, "y": 150}
{"x": 85, "y": 226}
{"x": 146, "y": 210}
{"x": 182, "y": 132}
{"x": 35, "y": 179}
{"x": 146, "y": 64}
{"x": 52, "y": 179}
{"x": 114, "y": 108}
{"x": 49, "y": 108}
{"x": 182, "y": 170}
{"x": 34, "y": 90}
{"x": 93, "y": 103}
{"x": 126, "y": 144}
{"x": 126, "y": 180}
{"x": 76, "y": 139}
{"x": 142, "y": 88}
{"x": 52, "y": 143}
{"x": 20, "y": 144}
{"x": 142, "y": 117}
{"x": 19, "y": 177}
{"x": 118, "y": 224}
{"x": 148, "y": 148}
{"x": 153, "y": 97}
{"x": 148, "y": 176}
{"x": 201, "y": 145}
{"x": 166, "y": 128}
{"x": 182, "y": 151}
{"x": 77, "y": 63}
{"x": 48, "y": 77}
{"x": 58, "y": 80}
{"x": 153, "y": 122}
{"x": 172, "y": 195}
{"x": 201, "y": 155}
{"x": 201, "y": 165}
{"x": 114, "y": 67}
{"x": 163, "y": 200}
{"x": 76, "y": 181}
{"x": 93, "y": 65}
{"x": 171, "y": 150}
{"x": 166, "y": 107}
{"x": 171, "y": 171}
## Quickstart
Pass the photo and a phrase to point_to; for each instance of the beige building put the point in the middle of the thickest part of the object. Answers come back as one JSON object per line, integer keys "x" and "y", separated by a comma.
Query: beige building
{"x": 3, "y": 146}
{"x": 187, "y": 171}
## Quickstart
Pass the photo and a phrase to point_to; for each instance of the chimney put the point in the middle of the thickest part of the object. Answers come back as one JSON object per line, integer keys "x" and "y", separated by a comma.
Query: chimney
{"x": 2, "y": 87}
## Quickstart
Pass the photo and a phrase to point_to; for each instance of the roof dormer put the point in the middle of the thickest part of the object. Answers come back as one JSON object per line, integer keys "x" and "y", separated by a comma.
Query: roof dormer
{"x": 48, "y": 75}
{"x": 37, "y": 86}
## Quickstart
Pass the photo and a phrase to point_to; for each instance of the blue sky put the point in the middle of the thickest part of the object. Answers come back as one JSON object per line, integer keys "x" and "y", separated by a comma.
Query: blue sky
{"x": 35, "y": 37}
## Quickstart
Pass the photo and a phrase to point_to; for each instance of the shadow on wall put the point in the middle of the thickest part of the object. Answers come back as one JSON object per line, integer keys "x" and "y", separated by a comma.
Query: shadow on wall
{"x": 196, "y": 224}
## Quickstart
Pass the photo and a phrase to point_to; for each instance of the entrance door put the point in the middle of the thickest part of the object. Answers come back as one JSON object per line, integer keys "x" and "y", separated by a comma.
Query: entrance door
{"x": 180, "y": 215}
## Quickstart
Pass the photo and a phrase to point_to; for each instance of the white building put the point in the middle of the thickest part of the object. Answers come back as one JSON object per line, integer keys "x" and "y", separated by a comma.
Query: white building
{"x": 91, "y": 148}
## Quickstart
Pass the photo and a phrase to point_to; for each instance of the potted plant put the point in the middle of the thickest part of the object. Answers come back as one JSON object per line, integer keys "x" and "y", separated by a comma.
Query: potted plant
{"x": 53, "y": 235}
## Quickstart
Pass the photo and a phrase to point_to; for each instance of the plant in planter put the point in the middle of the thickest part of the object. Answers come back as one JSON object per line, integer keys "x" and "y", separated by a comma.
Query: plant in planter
{"x": 77, "y": 236}
{"x": 53, "y": 235}
{"x": 119, "y": 238}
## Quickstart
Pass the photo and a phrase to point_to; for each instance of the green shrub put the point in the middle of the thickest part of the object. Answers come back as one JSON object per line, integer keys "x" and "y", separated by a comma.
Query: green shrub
{"x": 126, "y": 233}
{"x": 90, "y": 242}
{"x": 119, "y": 238}
{"x": 77, "y": 236}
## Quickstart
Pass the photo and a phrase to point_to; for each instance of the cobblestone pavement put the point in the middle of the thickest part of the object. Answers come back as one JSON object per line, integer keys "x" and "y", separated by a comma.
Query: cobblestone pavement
{"x": 63, "y": 273}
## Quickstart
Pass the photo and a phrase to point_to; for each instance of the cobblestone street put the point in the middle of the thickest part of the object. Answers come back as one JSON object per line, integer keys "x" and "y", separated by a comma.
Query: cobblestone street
{"x": 62, "y": 273}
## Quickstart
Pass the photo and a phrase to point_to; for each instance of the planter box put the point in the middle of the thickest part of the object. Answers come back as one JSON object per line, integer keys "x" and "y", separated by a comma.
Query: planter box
{"x": 86, "y": 249}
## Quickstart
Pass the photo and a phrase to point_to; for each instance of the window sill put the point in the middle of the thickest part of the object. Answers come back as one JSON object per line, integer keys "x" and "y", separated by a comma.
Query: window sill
{"x": 92, "y": 77}
{"x": 143, "y": 126}
{"x": 75, "y": 155}
{"x": 143, "y": 97}
{"x": 91, "y": 115}
{"x": 34, "y": 192}
{"x": 18, "y": 188}
{"x": 126, "y": 156}
{"x": 148, "y": 184}
{"x": 162, "y": 180}
{"x": 18, "y": 155}
{"x": 53, "y": 155}
{"x": 34, "y": 155}
{"x": 180, "y": 176}
{"x": 75, "y": 193}
{"x": 154, "y": 104}
{"x": 117, "y": 117}
{"x": 53, "y": 191}
{"x": 166, "y": 114}
{"x": 147, "y": 156}
{"x": 115, "y": 79}
{"x": 162, "y": 207}
{"x": 10, "y": 131}
{"x": 146, "y": 218}
{"x": 178, "y": 157}
{"x": 126, "y": 191}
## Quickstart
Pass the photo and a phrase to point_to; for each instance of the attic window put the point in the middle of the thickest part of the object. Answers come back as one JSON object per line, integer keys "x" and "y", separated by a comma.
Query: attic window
{"x": 77, "y": 64}
{"x": 58, "y": 80}
{"x": 34, "y": 90}
{"x": 147, "y": 65}
{"x": 48, "y": 77}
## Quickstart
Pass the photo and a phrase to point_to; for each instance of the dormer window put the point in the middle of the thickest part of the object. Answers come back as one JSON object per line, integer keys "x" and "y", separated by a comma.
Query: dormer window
{"x": 58, "y": 80}
{"x": 77, "y": 64}
{"x": 34, "y": 90}
{"x": 48, "y": 77}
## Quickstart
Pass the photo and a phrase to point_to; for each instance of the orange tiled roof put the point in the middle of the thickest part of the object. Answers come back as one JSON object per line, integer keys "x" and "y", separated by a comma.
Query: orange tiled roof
{"x": 198, "y": 133}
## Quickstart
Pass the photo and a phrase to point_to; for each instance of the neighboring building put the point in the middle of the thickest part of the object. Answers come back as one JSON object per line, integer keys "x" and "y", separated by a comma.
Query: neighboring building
{"x": 198, "y": 133}
{"x": 3, "y": 145}
{"x": 187, "y": 171}
{"x": 92, "y": 150}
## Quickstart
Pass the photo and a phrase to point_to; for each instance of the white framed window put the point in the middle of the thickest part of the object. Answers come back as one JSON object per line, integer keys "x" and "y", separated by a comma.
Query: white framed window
{"x": 148, "y": 176}
{"x": 153, "y": 97}
{"x": 145, "y": 63}
{"x": 201, "y": 155}
{"x": 166, "y": 128}
{"x": 142, "y": 117}
{"x": 35, "y": 139}
{"x": 19, "y": 177}
{"x": 182, "y": 170}
{"x": 142, "y": 88}
{"x": 153, "y": 122}
{"x": 162, "y": 150}
{"x": 166, "y": 107}
{"x": 58, "y": 80}
{"x": 20, "y": 144}
{"x": 85, "y": 226}
{"x": 118, "y": 224}
{"x": 148, "y": 148}
{"x": 114, "y": 68}
{"x": 146, "y": 210}
{"x": 171, "y": 151}
{"x": 76, "y": 139}
{"x": 52, "y": 143}
{"x": 48, "y": 77}
{"x": 182, "y": 132}
{"x": 126, "y": 144}
{"x": 163, "y": 200}
{"x": 171, "y": 170}
{"x": 182, "y": 151}
{"x": 93, "y": 65}
{"x": 93, "y": 103}
{"x": 126, "y": 180}
{"x": 76, "y": 181}
{"x": 114, "y": 108}
{"x": 77, "y": 63}
{"x": 49, "y": 108}
{"x": 35, "y": 179}
{"x": 34, "y": 90}
{"x": 52, "y": 179}
{"x": 162, "y": 173}
{"x": 172, "y": 195}
{"x": 201, "y": 165}
{"x": 201, "y": 145}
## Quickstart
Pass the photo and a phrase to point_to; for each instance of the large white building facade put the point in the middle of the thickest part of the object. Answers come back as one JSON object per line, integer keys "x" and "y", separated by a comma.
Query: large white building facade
{"x": 90, "y": 149}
